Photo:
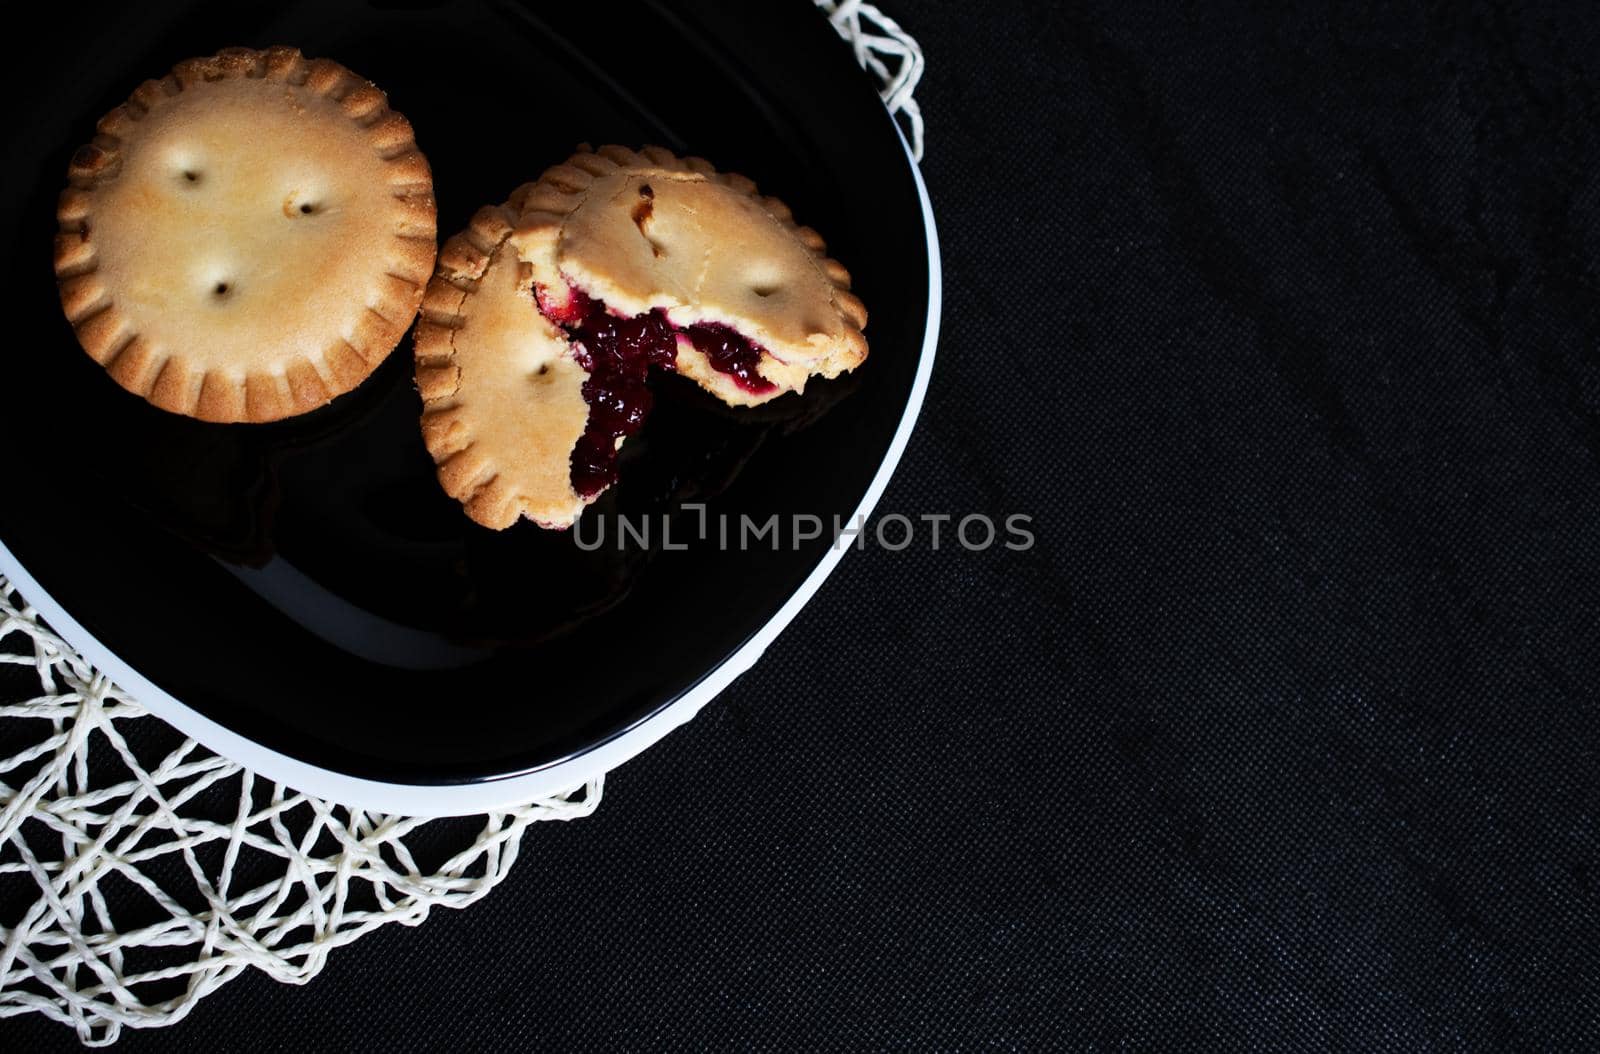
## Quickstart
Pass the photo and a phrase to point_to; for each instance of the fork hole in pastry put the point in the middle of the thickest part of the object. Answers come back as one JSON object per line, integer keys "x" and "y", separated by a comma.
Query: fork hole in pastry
{"x": 184, "y": 163}
{"x": 297, "y": 205}
{"x": 765, "y": 278}
{"x": 643, "y": 213}
{"x": 221, "y": 290}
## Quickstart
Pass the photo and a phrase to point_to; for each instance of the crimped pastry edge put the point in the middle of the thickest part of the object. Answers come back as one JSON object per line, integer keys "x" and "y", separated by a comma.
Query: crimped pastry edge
{"x": 171, "y": 383}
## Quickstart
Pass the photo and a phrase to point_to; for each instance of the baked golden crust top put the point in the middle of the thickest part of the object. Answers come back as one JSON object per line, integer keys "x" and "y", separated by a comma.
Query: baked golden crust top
{"x": 646, "y": 229}
{"x": 247, "y": 237}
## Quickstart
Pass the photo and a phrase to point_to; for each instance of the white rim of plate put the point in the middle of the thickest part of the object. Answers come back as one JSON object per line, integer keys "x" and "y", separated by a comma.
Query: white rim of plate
{"x": 466, "y": 799}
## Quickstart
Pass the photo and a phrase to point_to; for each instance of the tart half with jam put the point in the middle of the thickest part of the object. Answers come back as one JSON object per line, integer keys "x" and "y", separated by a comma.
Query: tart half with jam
{"x": 545, "y": 317}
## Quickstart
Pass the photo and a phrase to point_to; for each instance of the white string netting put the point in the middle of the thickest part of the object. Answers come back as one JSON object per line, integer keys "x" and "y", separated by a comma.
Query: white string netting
{"x": 140, "y": 872}
{"x": 889, "y": 53}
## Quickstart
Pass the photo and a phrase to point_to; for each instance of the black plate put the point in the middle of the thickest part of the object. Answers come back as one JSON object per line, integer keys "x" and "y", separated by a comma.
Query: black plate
{"x": 307, "y": 584}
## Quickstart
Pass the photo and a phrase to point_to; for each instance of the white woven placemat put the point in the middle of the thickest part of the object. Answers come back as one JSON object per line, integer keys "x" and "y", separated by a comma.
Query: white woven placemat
{"x": 150, "y": 871}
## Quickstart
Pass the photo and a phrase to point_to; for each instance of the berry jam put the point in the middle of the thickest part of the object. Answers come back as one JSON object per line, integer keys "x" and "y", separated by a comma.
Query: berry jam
{"x": 730, "y": 353}
{"x": 578, "y": 306}
{"x": 618, "y": 353}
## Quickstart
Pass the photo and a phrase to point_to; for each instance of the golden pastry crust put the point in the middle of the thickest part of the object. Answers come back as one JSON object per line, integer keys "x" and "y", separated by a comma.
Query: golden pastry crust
{"x": 247, "y": 237}
{"x": 502, "y": 394}
{"x": 647, "y": 229}
{"x": 502, "y": 389}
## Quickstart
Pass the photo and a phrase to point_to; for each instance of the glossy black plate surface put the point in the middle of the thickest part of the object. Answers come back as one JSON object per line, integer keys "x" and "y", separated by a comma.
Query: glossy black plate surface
{"x": 307, "y": 584}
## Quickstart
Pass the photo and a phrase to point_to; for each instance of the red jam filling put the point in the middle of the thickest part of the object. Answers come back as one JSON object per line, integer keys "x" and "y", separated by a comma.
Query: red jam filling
{"x": 618, "y": 353}
{"x": 730, "y": 353}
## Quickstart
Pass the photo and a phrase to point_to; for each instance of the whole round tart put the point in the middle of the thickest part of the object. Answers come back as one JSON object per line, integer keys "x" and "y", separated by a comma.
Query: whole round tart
{"x": 247, "y": 237}
{"x": 546, "y": 315}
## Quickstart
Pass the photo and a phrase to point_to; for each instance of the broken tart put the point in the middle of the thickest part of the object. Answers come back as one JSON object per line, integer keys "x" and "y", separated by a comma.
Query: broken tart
{"x": 545, "y": 316}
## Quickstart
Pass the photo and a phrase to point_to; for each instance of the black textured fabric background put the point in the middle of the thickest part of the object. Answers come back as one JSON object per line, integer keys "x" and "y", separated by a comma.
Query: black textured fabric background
{"x": 1283, "y": 322}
